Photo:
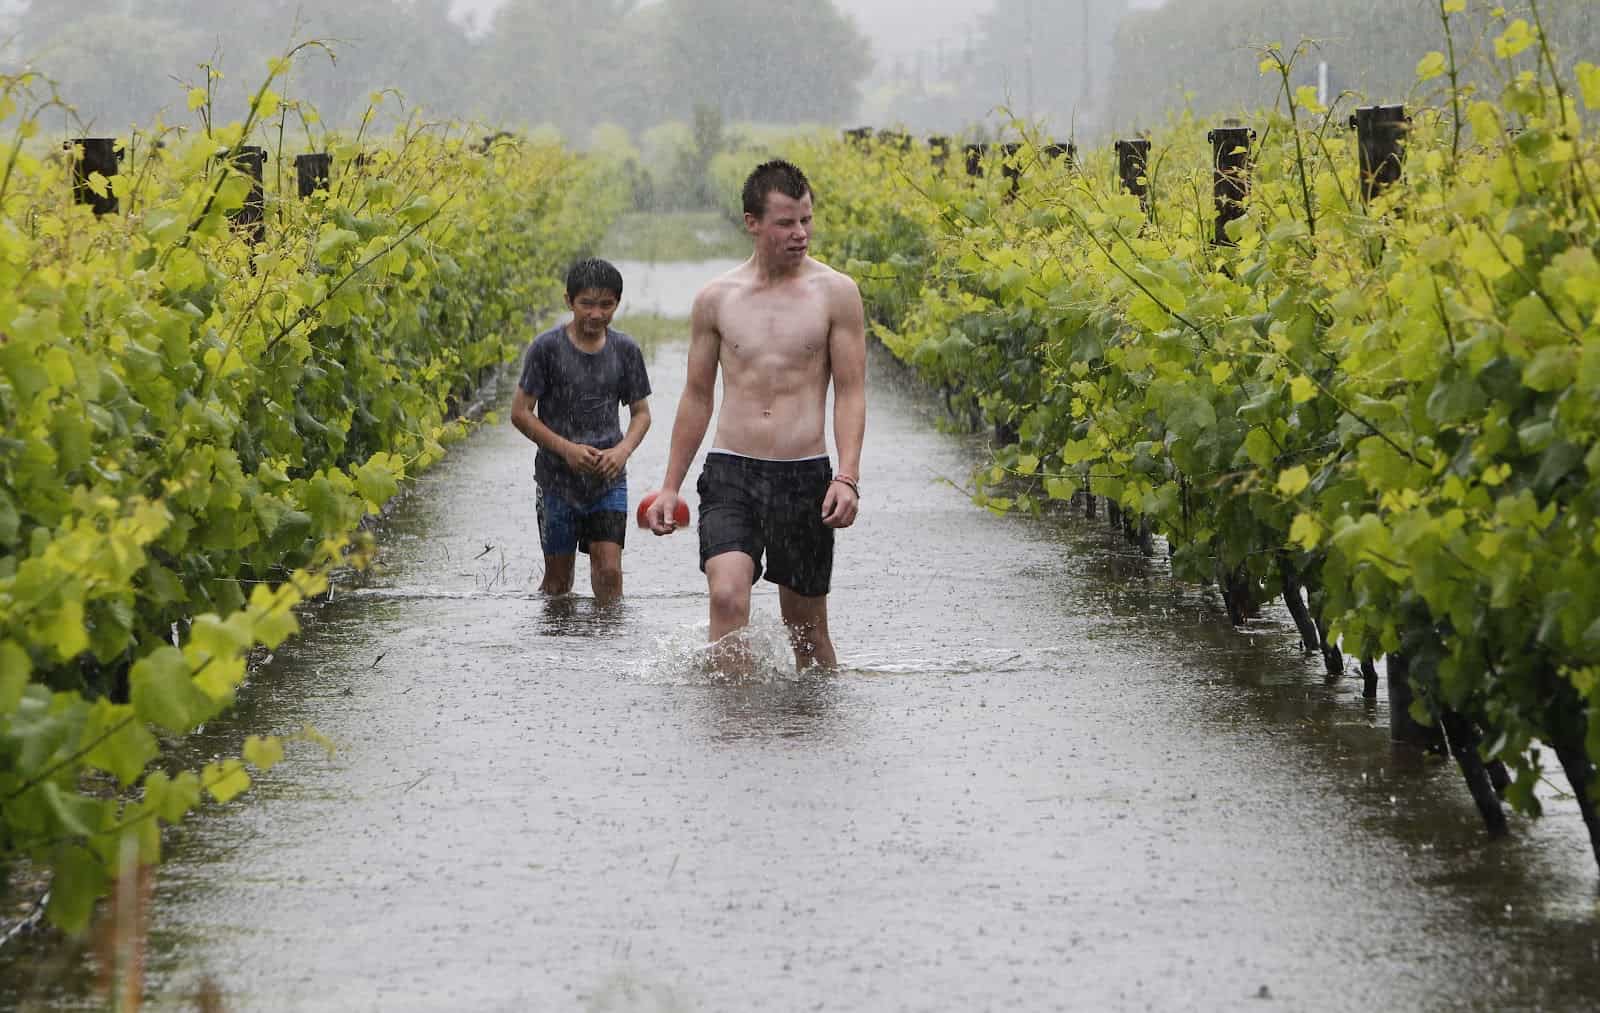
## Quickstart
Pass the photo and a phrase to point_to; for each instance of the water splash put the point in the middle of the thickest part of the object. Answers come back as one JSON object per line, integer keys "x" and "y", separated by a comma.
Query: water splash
{"x": 759, "y": 653}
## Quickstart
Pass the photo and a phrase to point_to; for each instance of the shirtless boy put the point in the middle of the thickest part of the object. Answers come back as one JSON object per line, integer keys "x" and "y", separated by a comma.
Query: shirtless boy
{"x": 780, "y": 327}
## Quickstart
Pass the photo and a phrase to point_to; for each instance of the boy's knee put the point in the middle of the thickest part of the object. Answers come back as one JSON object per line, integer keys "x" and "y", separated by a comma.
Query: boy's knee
{"x": 730, "y": 599}
{"x": 608, "y": 575}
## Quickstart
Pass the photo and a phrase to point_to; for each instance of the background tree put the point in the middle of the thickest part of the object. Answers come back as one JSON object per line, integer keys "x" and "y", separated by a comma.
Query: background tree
{"x": 570, "y": 63}
{"x": 1200, "y": 53}
{"x": 113, "y": 87}
{"x": 556, "y": 61}
{"x": 785, "y": 61}
{"x": 1042, "y": 57}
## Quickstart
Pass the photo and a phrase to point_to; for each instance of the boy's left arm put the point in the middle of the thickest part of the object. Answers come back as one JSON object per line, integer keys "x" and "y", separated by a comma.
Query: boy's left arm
{"x": 847, "y": 358}
{"x": 635, "y": 392}
{"x": 615, "y": 458}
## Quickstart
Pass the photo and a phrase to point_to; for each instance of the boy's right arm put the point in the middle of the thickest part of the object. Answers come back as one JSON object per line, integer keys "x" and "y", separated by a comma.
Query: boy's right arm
{"x": 694, "y": 408}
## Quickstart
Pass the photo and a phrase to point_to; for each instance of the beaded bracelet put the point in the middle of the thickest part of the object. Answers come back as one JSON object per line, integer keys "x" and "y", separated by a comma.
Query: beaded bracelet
{"x": 847, "y": 481}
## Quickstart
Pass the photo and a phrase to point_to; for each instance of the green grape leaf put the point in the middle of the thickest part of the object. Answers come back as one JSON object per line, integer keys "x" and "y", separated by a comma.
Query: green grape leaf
{"x": 80, "y": 878}
{"x": 1293, "y": 481}
{"x": 1258, "y": 446}
{"x": 1551, "y": 368}
{"x": 263, "y": 753}
{"x": 1589, "y": 84}
{"x": 226, "y": 780}
{"x": 274, "y": 620}
{"x": 78, "y": 815}
{"x": 1060, "y": 488}
{"x": 15, "y": 669}
{"x": 173, "y": 798}
{"x": 164, "y": 692}
{"x": 10, "y": 521}
{"x": 65, "y": 631}
{"x": 122, "y": 745}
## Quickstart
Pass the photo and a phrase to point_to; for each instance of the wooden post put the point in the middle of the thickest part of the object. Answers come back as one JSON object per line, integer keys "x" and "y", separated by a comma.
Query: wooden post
{"x": 91, "y": 155}
{"x": 1381, "y": 139}
{"x": 1369, "y": 679}
{"x": 312, "y": 172}
{"x": 1230, "y": 175}
{"x": 1133, "y": 161}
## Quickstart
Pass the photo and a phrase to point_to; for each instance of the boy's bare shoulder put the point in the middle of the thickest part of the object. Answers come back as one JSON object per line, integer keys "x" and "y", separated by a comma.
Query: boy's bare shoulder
{"x": 714, "y": 291}
{"x": 840, "y": 289}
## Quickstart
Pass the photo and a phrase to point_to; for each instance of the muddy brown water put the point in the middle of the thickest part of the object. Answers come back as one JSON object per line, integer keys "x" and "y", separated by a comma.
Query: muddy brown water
{"x": 1047, "y": 777}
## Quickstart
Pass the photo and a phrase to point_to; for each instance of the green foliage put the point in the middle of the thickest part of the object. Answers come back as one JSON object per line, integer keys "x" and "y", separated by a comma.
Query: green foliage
{"x": 192, "y": 426}
{"x": 1394, "y": 401}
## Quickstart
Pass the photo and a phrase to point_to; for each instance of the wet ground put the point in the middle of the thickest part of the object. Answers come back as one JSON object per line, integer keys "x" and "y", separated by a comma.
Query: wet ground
{"x": 1047, "y": 777}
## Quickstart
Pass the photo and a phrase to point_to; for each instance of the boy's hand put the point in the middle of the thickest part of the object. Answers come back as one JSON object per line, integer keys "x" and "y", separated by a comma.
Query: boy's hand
{"x": 840, "y": 505}
{"x": 581, "y": 458}
{"x": 661, "y": 513}
{"x": 609, "y": 463}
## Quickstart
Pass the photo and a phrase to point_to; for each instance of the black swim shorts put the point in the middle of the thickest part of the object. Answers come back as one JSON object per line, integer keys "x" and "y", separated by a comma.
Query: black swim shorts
{"x": 753, "y": 506}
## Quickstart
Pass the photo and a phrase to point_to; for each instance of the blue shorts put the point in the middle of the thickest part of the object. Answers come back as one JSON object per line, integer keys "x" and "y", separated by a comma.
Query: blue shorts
{"x": 564, "y": 528}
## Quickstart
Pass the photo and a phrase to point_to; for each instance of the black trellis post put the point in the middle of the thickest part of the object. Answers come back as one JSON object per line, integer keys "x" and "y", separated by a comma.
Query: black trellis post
{"x": 895, "y": 139}
{"x": 975, "y": 153}
{"x": 1381, "y": 137}
{"x": 1055, "y": 150}
{"x": 1011, "y": 166}
{"x": 1230, "y": 164}
{"x": 251, "y": 218}
{"x": 91, "y": 155}
{"x": 1133, "y": 160}
{"x": 312, "y": 172}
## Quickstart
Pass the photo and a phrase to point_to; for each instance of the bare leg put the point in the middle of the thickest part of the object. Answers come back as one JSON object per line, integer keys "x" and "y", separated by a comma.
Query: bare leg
{"x": 728, "y": 579}
{"x": 557, "y": 574}
{"x": 807, "y": 619}
{"x": 605, "y": 571}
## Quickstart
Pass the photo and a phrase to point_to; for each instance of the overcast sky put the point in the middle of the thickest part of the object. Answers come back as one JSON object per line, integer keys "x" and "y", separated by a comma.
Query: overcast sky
{"x": 894, "y": 26}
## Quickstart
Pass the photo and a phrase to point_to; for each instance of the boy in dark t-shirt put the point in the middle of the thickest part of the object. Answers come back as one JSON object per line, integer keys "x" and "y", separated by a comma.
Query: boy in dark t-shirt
{"x": 573, "y": 378}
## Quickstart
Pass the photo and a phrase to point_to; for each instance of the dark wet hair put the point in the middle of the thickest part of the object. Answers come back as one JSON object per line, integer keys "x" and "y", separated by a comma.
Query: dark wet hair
{"x": 592, "y": 272}
{"x": 784, "y": 177}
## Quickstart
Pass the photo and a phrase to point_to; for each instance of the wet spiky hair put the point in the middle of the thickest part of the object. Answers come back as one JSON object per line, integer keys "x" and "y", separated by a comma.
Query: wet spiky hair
{"x": 784, "y": 177}
{"x": 592, "y": 272}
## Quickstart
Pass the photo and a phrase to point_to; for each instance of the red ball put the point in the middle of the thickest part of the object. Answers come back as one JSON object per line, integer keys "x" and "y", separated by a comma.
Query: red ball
{"x": 681, "y": 514}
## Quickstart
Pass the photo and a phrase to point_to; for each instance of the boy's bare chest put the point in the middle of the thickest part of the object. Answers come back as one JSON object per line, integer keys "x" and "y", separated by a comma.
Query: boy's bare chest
{"x": 773, "y": 326}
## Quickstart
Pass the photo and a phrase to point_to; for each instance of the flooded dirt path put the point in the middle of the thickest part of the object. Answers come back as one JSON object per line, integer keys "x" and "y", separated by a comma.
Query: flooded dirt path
{"x": 1048, "y": 777}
